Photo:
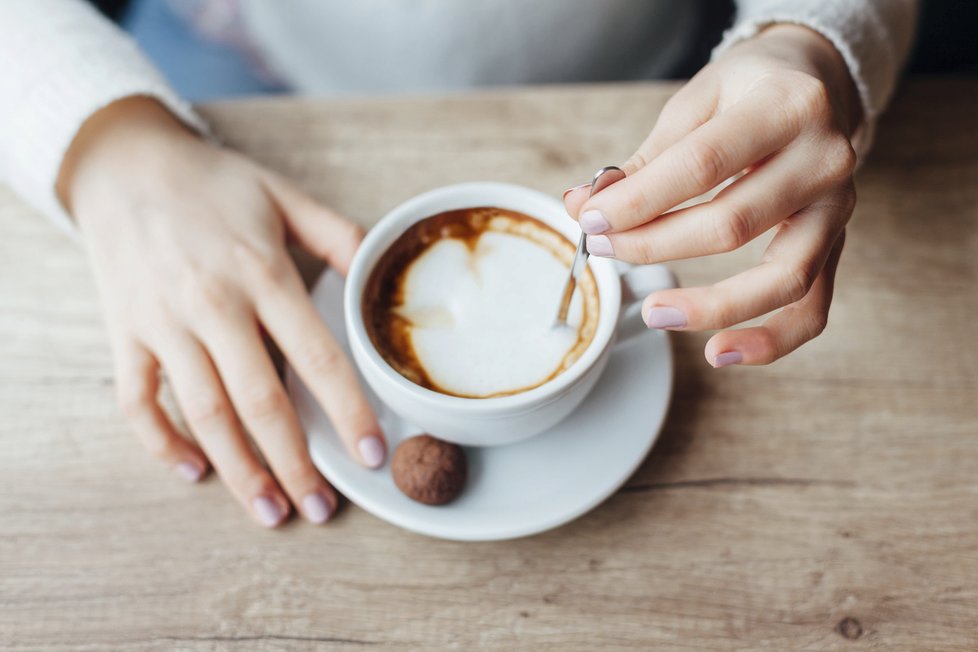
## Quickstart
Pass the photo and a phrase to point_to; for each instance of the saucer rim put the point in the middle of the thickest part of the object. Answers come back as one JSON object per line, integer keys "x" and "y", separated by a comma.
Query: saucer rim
{"x": 495, "y": 532}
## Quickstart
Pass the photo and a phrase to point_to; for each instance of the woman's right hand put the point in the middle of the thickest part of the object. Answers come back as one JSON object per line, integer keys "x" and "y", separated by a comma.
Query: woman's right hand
{"x": 188, "y": 244}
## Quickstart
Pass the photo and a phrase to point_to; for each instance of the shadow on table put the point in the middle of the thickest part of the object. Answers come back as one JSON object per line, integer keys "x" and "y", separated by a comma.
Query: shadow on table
{"x": 676, "y": 440}
{"x": 676, "y": 436}
{"x": 664, "y": 467}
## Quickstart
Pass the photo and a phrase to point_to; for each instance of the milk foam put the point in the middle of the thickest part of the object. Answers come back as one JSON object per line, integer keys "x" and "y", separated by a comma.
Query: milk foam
{"x": 483, "y": 316}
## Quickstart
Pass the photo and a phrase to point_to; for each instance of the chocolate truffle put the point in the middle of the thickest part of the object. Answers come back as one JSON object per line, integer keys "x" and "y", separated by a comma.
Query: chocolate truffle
{"x": 429, "y": 470}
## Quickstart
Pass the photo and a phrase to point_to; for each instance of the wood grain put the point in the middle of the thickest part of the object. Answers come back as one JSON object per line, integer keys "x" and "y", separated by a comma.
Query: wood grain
{"x": 827, "y": 502}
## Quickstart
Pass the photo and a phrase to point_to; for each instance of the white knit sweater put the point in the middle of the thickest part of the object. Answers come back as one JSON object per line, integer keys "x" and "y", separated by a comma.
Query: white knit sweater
{"x": 63, "y": 62}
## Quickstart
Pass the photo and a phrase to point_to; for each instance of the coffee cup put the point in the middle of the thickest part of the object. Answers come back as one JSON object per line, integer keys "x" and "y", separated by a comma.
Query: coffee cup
{"x": 496, "y": 420}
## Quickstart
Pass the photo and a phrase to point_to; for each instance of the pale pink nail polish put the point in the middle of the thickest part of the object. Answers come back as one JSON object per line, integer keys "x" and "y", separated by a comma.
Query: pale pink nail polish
{"x": 570, "y": 190}
{"x": 316, "y": 508}
{"x": 728, "y": 358}
{"x": 372, "y": 451}
{"x": 600, "y": 245}
{"x": 593, "y": 222}
{"x": 269, "y": 512}
{"x": 665, "y": 317}
{"x": 189, "y": 471}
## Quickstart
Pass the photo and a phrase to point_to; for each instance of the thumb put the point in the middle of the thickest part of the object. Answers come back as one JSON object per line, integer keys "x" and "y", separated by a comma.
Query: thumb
{"x": 320, "y": 230}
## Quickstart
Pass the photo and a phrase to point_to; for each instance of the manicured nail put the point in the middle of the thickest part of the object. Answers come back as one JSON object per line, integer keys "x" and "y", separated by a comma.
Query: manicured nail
{"x": 730, "y": 357}
{"x": 372, "y": 451}
{"x": 593, "y": 222}
{"x": 600, "y": 245}
{"x": 268, "y": 510}
{"x": 570, "y": 190}
{"x": 189, "y": 471}
{"x": 665, "y": 317}
{"x": 316, "y": 508}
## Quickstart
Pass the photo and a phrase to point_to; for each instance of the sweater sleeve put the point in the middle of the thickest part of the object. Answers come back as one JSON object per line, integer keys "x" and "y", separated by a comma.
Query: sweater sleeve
{"x": 872, "y": 36}
{"x": 62, "y": 63}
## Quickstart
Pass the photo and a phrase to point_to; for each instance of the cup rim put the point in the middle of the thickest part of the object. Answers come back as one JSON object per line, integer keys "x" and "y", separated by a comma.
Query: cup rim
{"x": 465, "y": 195}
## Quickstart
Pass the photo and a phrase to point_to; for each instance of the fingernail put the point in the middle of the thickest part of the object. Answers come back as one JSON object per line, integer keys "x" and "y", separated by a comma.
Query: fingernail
{"x": 372, "y": 451}
{"x": 593, "y": 222}
{"x": 730, "y": 357}
{"x": 570, "y": 190}
{"x": 665, "y": 317}
{"x": 189, "y": 471}
{"x": 268, "y": 510}
{"x": 316, "y": 508}
{"x": 600, "y": 245}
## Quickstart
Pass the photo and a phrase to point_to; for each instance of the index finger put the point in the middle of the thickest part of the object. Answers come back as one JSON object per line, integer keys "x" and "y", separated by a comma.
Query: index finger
{"x": 735, "y": 139}
{"x": 687, "y": 109}
{"x": 292, "y": 321}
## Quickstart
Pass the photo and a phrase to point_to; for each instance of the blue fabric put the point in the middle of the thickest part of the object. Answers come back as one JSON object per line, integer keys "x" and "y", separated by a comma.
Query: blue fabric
{"x": 198, "y": 69}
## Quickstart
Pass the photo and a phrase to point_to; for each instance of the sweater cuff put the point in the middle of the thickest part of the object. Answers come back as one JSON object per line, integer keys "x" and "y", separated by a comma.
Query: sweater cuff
{"x": 56, "y": 105}
{"x": 871, "y": 38}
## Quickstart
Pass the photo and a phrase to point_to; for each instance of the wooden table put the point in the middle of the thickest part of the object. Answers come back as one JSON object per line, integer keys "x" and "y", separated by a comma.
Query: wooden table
{"x": 829, "y": 501}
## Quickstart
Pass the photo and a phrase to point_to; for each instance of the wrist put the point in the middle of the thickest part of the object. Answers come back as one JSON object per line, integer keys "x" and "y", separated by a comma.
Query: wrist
{"x": 128, "y": 131}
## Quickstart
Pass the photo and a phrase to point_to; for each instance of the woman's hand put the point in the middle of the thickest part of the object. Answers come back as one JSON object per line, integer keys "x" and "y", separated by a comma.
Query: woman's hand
{"x": 780, "y": 107}
{"x": 188, "y": 244}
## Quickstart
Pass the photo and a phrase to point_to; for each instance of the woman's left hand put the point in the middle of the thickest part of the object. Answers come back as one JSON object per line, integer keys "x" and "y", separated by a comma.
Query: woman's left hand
{"x": 782, "y": 108}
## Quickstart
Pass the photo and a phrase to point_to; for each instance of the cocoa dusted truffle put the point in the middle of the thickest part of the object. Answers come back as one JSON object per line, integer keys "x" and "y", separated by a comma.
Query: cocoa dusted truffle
{"x": 429, "y": 470}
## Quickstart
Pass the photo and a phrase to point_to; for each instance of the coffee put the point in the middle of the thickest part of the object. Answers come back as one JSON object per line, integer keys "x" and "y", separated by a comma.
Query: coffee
{"x": 464, "y": 302}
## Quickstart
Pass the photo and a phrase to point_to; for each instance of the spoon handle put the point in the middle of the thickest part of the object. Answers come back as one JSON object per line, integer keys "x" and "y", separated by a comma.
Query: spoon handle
{"x": 602, "y": 179}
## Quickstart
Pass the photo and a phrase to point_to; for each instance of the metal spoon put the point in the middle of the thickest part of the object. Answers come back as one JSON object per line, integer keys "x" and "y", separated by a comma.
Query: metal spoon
{"x": 602, "y": 179}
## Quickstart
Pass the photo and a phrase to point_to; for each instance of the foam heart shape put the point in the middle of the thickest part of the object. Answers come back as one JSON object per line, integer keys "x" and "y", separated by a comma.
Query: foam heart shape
{"x": 482, "y": 314}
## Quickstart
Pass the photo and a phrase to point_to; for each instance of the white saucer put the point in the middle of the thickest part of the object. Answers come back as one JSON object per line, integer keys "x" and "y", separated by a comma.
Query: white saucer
{"x": 514, "y": 490}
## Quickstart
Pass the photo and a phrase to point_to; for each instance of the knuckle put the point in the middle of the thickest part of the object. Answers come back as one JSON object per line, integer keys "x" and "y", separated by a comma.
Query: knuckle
{"x": 839, "y": 159}
{"x": 298, "y": 471}
{"x": 205, "y": 409}
{"x": 321, "y": 355}
{"x": 809, "y": 96}
{"x": 705, "y": 164}
{"x": 262, "y": 402}
{"x": 815, "y": 324}
{"x": 717, "y": 309}
{"x": 210, "y": 293}
{"x": 798, "y": 280}
{"x": 636, "y": 161}
{"x": 719, "y": 315}
{"x": 733, "y": 230}
{"x": 636, "y": 249}
{"x": 722, "y": 315}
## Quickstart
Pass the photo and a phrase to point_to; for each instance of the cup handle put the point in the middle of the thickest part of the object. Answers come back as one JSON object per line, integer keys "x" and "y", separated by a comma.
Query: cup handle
{"x": 637, "y": 282}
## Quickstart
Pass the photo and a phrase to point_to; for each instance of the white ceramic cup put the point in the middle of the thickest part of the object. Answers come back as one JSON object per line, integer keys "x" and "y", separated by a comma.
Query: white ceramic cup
{"x": 505, "y": 419}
